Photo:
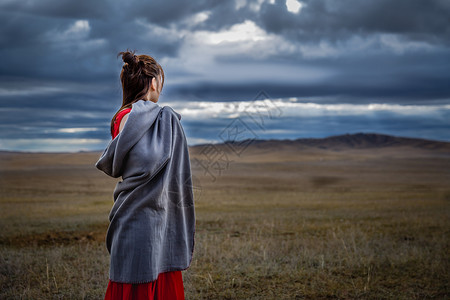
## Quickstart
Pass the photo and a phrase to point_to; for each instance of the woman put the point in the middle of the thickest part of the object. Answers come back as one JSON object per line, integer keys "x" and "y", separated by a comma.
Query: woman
{"x": 152, "y": 222}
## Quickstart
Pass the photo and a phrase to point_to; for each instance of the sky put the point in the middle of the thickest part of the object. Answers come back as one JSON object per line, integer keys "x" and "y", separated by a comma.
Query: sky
{"x": 265, "y": 69}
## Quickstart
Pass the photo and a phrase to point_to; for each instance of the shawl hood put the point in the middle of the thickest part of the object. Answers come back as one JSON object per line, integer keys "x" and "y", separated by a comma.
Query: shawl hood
{"x": 141, "y": 117}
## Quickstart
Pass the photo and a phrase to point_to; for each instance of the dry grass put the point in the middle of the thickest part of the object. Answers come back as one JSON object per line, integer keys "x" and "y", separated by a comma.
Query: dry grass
{"x": 311, "y": 224}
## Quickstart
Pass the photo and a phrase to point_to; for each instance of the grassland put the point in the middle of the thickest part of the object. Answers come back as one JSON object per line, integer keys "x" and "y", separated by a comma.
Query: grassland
{"x": 278, "y": 223}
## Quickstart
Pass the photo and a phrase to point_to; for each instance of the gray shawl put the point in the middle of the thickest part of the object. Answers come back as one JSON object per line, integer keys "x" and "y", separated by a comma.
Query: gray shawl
{"x": 152, "y": 221}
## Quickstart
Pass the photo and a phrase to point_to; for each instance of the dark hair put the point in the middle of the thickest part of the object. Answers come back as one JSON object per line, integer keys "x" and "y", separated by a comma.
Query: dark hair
{"x": 136, "y": 77}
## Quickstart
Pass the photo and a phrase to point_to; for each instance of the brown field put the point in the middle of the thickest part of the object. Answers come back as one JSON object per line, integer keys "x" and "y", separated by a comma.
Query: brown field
{"x": 281, "y": 222}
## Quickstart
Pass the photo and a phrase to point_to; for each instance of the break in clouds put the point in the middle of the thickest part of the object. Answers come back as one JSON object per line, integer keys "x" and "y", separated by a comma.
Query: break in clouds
{"x": 333, "y": 67}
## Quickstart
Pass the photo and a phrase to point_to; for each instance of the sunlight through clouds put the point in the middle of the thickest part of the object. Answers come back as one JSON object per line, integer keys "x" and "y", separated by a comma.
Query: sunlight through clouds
{"x": 294, "y": 6}
{"x": 76, "y": 130}
{"x": 290, "y": 107}
{"x": 247, "y": 31}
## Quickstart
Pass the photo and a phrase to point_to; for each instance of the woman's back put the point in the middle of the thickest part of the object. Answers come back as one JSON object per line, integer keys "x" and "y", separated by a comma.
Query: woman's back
{"x": 169, "y": 285}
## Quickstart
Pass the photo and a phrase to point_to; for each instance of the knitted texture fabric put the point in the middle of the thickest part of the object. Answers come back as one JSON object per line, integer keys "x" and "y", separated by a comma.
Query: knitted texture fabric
{"x": 152, "y": 221}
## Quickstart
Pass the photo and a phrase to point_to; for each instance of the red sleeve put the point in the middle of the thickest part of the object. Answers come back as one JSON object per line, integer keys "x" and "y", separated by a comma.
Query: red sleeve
{"x": 118, "y": 119}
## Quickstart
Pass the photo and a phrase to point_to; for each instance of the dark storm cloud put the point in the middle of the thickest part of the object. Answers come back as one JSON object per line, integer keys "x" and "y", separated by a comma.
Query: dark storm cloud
{"x": 166, "y": 12}
{"x": 46, "y": 51}
{"x": 337, "y": 20}
{"x": 58, "y": 9}
{"x": 27, "y": 28}
{"x": 410, "y": 78}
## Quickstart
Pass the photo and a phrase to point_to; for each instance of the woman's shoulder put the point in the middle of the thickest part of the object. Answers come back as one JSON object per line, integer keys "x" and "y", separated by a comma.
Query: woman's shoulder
{"x": 171, "y": 111}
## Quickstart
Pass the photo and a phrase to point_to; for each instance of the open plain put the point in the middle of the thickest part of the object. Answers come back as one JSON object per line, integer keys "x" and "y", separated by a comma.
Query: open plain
{"x": 351, "y": 217}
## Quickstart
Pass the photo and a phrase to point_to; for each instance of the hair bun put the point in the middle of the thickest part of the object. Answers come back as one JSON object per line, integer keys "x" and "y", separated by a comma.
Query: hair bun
{"x": 129, "y": 58}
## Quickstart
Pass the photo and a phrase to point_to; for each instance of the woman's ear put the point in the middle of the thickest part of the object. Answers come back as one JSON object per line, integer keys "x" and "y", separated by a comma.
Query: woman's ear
{"x": 154, "y": 84}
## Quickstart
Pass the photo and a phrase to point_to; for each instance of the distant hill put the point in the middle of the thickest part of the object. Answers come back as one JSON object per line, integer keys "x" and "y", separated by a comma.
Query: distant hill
{"x": 345, "y": 141}
{"x": 334, "y": 143}
{"x": 372, "y": 140}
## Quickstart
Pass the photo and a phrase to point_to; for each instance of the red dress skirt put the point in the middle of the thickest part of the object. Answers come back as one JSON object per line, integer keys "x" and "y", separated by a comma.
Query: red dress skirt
{"x": 168, "y": 285}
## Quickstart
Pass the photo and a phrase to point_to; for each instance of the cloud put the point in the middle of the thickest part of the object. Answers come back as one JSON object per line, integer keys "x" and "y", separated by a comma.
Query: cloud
{"x": 77, "y": 31}
{"x": 58, "y": 9}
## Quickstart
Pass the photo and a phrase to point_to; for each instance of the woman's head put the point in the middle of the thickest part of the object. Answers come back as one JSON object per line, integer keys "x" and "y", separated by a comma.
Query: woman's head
{"x": 140, "y": 75}
{"x": 142, "y": 78}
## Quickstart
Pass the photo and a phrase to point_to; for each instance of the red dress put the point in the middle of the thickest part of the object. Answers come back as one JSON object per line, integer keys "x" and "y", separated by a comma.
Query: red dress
{"x": 168, "y": 285}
